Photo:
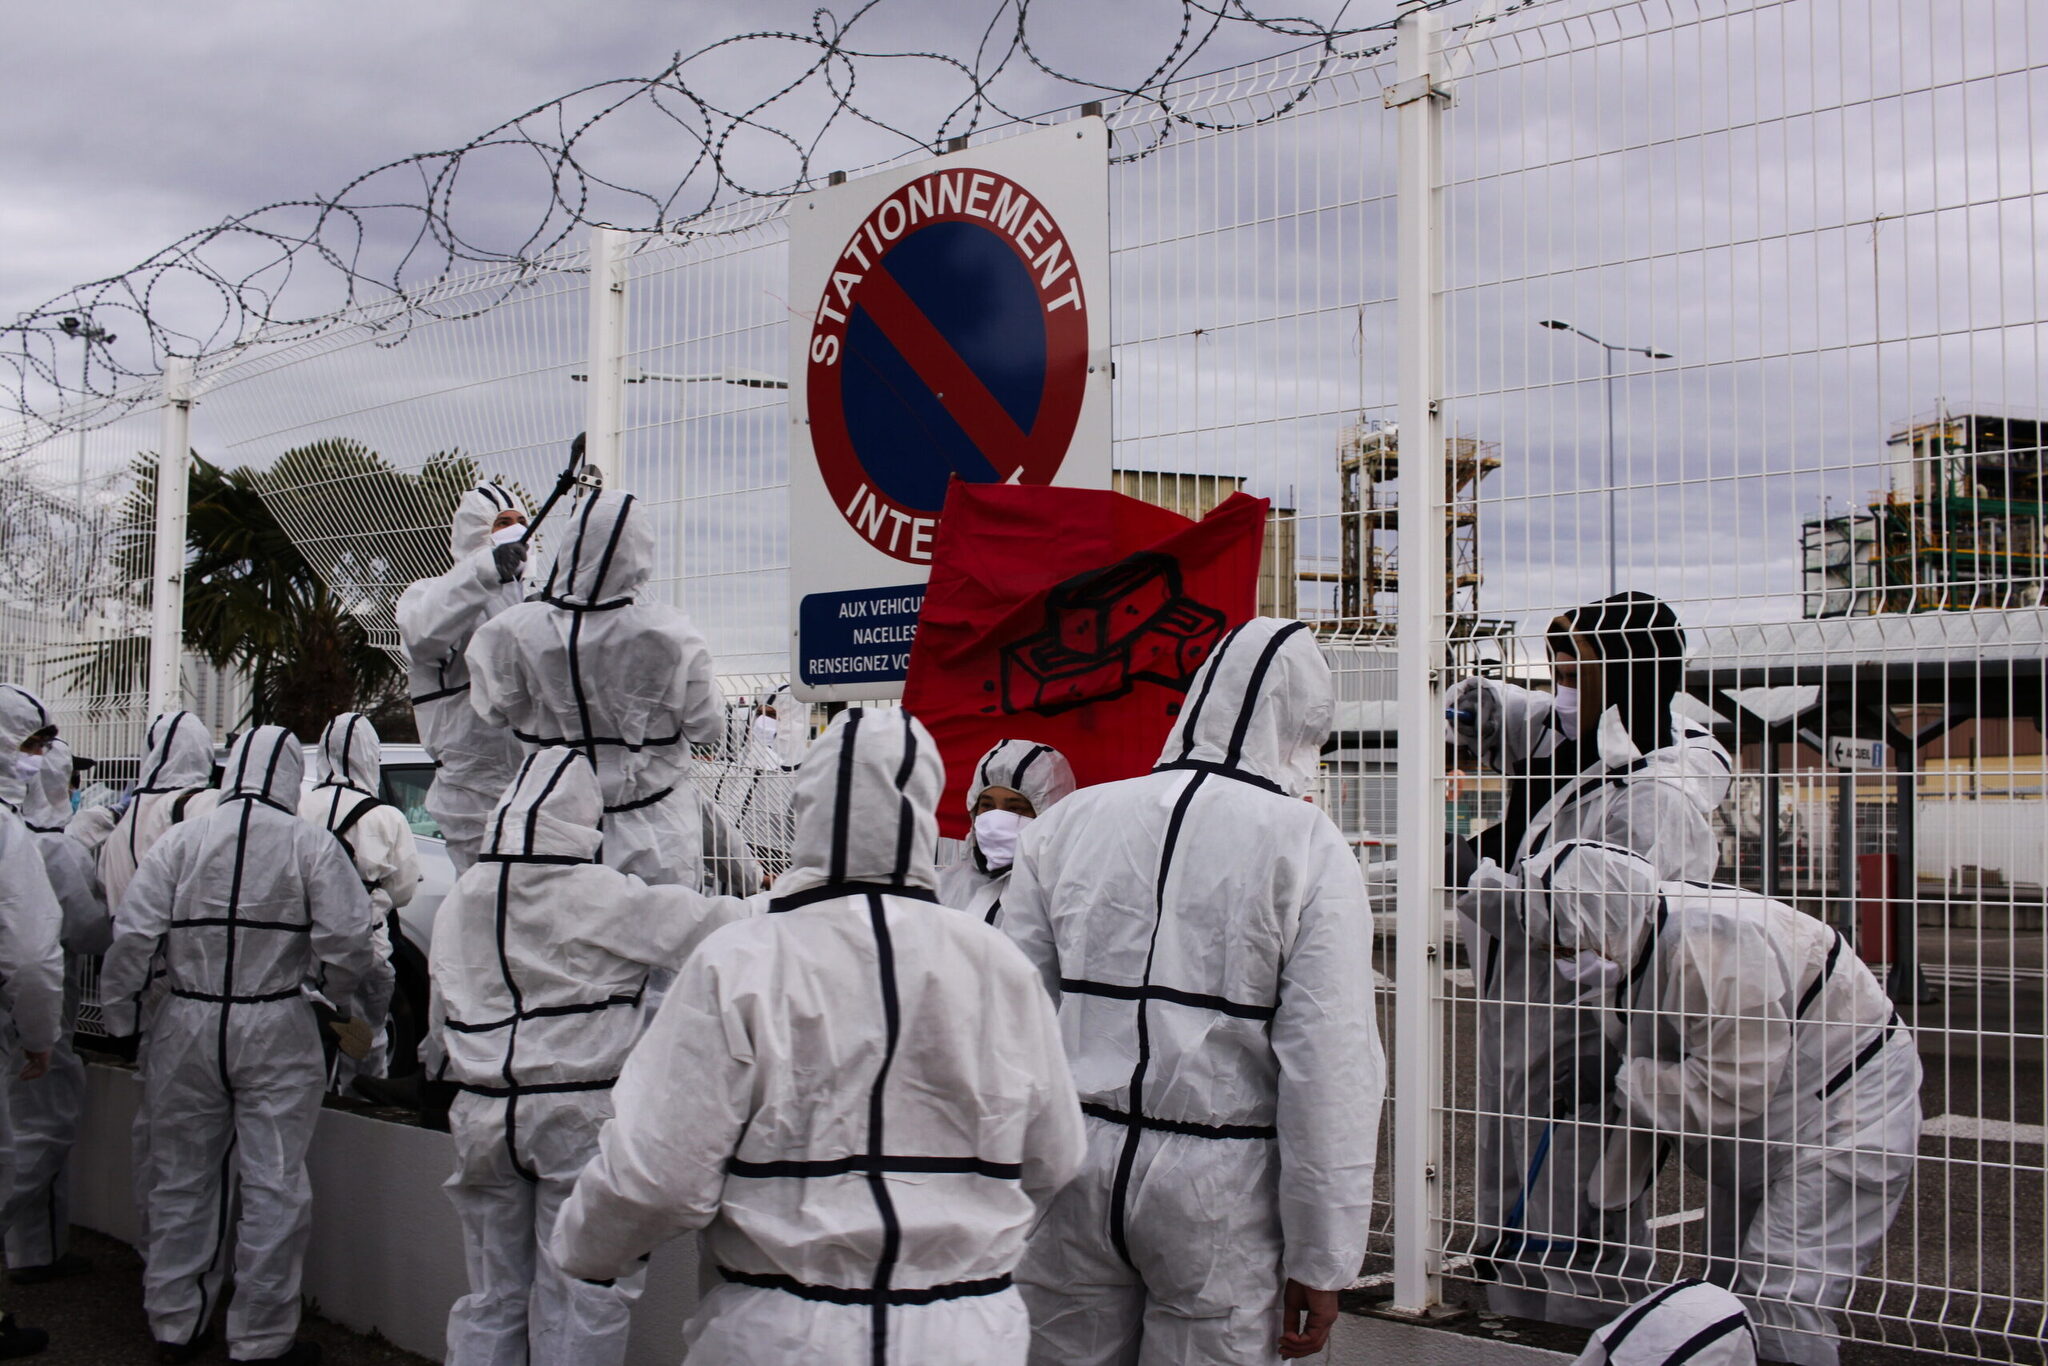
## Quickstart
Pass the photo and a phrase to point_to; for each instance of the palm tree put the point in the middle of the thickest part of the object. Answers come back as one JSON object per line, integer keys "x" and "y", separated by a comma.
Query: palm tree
{"x": 302, "y": 635}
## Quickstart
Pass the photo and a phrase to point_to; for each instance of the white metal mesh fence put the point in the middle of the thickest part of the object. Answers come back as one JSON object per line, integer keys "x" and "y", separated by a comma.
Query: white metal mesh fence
{"x": 1747, "y": 297}
{"x": 77, "y": 536}
{"x": 1821, "y": 217}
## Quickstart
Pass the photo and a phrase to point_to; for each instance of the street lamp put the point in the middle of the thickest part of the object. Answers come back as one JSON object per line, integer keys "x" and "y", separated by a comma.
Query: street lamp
{"x": 82, "y": 331}
{"x": 1607, "y": 384}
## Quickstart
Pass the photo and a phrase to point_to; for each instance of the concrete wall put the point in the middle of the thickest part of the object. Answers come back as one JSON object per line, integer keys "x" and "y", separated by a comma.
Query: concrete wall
{"x": 1996, "y": 835}
{"x": 387, "y": 1252}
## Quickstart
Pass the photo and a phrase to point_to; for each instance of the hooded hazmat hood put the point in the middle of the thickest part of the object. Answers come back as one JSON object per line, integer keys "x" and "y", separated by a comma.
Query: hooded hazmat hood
{"x": 1260, "y": 708}
{"x": 46, "y": 806}
{"x": 350, "y": 754}
{"x": 607, "y": 553}
{"x": 268, "y": 765}
{"x": 180, "y": 754}
{"x": 550, "y": 813}
{"x": 470, "y": 529}
{"x": 1038, "y": 771}
{"x": 22, "y": 714}
{"x": 866, "y": 805}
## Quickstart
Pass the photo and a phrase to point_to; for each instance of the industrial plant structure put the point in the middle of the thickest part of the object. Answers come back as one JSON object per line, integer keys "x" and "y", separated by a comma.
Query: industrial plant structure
{"x": 1960, "y": 525}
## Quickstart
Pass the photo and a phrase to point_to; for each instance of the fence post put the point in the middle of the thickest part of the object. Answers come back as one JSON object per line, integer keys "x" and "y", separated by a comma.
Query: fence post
{"x": 167, "y": 581}
{"x": 605, "y": 404}
{"x": 1418, "y": 1011}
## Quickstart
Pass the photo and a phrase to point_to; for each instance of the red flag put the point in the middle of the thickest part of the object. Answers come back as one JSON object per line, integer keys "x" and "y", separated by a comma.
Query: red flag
{"x": 1074, "y": 618}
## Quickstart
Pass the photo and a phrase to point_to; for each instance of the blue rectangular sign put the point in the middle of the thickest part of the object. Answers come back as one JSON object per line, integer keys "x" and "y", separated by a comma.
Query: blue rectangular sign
{"x": 857, "y": 637}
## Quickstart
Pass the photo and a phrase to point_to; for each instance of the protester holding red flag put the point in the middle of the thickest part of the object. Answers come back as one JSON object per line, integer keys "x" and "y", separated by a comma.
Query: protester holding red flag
{"x": 1075, "y": 618}
{"x": 1206, "y": 936}
{"x": 1016, "y": 782}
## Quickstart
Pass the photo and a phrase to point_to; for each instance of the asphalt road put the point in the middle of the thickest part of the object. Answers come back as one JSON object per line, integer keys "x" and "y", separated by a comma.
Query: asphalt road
{"x": 97, "y": 1319}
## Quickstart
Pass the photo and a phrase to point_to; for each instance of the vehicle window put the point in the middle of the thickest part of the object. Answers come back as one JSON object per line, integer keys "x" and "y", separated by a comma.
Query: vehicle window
{"x": 405, "y": 787}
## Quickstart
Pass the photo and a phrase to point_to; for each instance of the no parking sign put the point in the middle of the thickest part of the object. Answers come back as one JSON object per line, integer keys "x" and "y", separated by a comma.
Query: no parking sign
{"x": 955, "y": 322}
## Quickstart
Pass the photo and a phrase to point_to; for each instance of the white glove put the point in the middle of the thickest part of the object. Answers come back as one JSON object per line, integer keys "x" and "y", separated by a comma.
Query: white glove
{"x": 1627, "y": 1167}
{"x": 1492, "y": 900}
{"x": 1502, "y": 724}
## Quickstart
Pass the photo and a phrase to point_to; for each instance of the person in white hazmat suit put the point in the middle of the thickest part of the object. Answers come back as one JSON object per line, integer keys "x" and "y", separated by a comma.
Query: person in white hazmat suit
{"x": 1691, "y": 1323}
{"x": 1016, "y": 782}
{"x": 437, "y": 617}
{"x": 1205, "y": 934}
{"x": 1755, "y": 1039}
{"x": 860, "y": 1094}
{"x": 74, "y": 872}
{"x": 247, "y": 904}
{"x": 591, "y": 666}
{"x": 346, "y": 803}
{"x": 31, "y": 922}
{"x": 175, "y": 785}
{"x": 43, "y": 1115}
{"x": 1608, "y": 759}
{"x": 540, "y": 958}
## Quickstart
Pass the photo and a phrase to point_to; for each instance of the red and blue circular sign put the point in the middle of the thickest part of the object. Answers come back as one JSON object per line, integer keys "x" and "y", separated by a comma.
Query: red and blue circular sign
{"x": 951, "y": 339}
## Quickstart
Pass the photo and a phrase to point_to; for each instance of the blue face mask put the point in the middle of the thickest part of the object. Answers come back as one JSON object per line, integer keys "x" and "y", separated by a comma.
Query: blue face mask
{"x": 76, "y": 798}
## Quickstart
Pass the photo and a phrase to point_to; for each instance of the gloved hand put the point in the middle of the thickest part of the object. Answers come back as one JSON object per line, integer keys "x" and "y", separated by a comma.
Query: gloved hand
{"x": 354, "y": 1035}
{"x": 1628, "y": 1166}
{"x": 1503, "y": 725}
{"x": 1492, "y": 900}
{"x": 1582, "y": 1084}
{"x": 510, "y": 559}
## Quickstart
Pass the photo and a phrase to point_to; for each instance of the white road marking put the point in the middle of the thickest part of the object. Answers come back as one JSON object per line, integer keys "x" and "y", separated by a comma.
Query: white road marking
{"x": 1380, "y": 981}
{"x": 1983, "y": 1130}
{"x": 1461, "y": 979}
{"x": 1684, "y": 1216}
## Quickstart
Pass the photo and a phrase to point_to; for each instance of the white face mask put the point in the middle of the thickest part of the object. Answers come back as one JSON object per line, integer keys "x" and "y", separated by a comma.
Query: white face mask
{"x": 1566, "y": 710}
{"x": 765, "y": 727}
{"x": 28, "y": 765}
{"x": 1589, "y": 970}
{"x": 995, "y": 834}
{"x": 505, "y": 535}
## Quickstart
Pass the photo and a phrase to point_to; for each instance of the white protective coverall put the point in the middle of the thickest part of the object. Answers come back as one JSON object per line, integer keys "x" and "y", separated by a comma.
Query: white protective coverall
{"x": 43, "y": 1115}
{"x": 74, "y": 874}
{"x": 1687, "y": 1324}
{"x": 972, "y": 883}
{"x": 1541, "y": 1098}
{"x": 246, "y": 905}
{"x": 31, "y": 961}
{"x": 540, "y": 958}
{"x": 1205, "y": 934}
{"x": 629, "y": 682}
{"x": 436, "y": 618}
{"x": 1757, "y": 1040}
{"x": 346, "y": 803}
{"x": 175, "y": 785}
{"x": 861, "y": 1094}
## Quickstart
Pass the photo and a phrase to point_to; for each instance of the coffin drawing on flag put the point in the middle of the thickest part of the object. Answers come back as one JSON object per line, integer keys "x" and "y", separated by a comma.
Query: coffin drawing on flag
{"x": 1075, "y": 618}
{"x": 1107, "y": 629}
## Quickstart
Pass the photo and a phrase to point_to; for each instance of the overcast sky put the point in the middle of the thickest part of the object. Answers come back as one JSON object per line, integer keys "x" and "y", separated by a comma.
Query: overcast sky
{"x": 1828, "y": 209}
{"x": 129, "y": 124}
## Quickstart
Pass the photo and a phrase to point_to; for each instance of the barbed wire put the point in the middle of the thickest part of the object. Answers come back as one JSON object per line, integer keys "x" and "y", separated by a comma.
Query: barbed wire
{"x": 391, "y": 234}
